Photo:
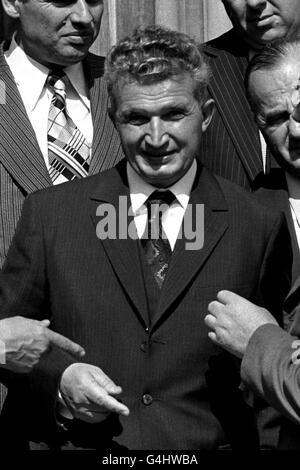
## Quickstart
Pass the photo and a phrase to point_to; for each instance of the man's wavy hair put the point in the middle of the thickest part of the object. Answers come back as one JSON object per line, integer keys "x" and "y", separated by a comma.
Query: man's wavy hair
{"x": 153, "y": 54}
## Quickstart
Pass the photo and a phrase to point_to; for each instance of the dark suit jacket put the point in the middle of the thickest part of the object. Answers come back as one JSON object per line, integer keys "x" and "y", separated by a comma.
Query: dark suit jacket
{"x": 93, "y": 291}
{"x": 273, "y": 192}
{"x": 22, "y": 166}
{"x": 231, "y": 145}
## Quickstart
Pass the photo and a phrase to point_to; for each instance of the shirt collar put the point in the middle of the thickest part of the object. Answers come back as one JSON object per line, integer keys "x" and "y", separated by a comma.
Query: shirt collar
{"x": 76, "y": 76}
{"x": 140, "y": 190}
{"x": 30, "y": 76}
{"x": 293, "y": 184}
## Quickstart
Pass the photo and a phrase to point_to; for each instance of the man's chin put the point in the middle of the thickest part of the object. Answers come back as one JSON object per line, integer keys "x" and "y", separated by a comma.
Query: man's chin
{"x": 72, "y": 57}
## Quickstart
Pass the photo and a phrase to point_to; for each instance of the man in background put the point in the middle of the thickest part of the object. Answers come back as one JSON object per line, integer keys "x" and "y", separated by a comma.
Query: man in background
{"x": 270, "y": 355}
{"x": 272, "y": 86}
{"x": 239, "y": 150}
{"x": 54, "y": 125}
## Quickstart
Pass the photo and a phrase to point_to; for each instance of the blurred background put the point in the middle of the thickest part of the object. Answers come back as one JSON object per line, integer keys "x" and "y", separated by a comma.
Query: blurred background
{"x": 201, "y": 19}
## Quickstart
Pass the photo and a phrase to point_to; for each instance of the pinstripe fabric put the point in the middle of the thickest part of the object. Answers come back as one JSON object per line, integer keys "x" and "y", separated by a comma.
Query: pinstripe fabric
{"x": 20, "y": 155}
{"x": 232, "y": 137}
{"x": 22, "y": 166}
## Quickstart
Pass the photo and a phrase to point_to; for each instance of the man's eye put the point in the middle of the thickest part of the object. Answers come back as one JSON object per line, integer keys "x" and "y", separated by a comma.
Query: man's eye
{"x": 175, "y": 115}
{"x": 62, "y": 3}
{"x": 277, "y": 120}
{"x": 136, "y": 119}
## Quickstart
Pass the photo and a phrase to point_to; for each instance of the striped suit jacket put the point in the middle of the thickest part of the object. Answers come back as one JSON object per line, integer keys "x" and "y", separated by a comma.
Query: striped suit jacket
{"x": 232, "y": 137}
{"x": 22, "y": 166}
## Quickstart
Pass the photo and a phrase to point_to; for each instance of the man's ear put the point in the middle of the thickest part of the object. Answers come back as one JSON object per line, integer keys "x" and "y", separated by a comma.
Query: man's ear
{"x": 11, "y": 7}
{"x": 112, "y": 114}
{"x": 208, "y": 109}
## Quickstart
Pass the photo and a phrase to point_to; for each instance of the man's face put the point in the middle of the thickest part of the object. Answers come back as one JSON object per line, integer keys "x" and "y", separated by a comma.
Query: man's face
{"x": 58, "y": 31}
{"x": 276, "y": 94}
{"x": 160, "y": 126}
{"x": 264, "y": 21}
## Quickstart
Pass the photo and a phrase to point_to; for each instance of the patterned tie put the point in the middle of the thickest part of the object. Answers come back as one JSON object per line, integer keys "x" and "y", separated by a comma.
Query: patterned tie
{"x": 68, "y": 151}
{"x": 155, "y": 242}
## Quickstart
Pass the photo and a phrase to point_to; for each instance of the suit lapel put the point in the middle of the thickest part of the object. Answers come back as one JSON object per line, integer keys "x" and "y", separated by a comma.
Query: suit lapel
{"x": 185, "y": 263}
{"x": 274, "y": 193}
{"x": 227, "y": 88}
{"x": 123, "y": 254}
{"x": 19, "y": 149}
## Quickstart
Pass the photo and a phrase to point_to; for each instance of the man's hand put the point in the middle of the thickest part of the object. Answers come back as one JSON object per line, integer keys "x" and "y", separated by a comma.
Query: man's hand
{"x": 90, "y": 394}
{"x": 24, "y": 342}
{"x": 233, "y": 320}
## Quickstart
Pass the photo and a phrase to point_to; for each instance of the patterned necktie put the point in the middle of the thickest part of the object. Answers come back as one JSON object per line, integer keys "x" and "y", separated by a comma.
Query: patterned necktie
{"x": 68, "y": 151}
{"x": 155, "y": 242}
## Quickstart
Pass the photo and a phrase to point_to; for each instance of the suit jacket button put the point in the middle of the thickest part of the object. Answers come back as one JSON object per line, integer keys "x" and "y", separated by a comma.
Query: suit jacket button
{"x": 144, "y": 346}
{"x": 147, "y": 399}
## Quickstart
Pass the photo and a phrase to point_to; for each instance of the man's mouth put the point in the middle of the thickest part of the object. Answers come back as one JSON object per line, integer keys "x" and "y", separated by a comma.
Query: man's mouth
{"x": 79, "y": 36}
{"x": 262, "y": 21}
{"x": 157, "y": 156}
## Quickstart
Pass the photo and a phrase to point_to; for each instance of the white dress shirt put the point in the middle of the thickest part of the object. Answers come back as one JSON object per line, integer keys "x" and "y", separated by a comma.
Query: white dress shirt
{"x": 171, "y": 217}
{"x": 293, "y": 184}
{"x": 30, "y": 77}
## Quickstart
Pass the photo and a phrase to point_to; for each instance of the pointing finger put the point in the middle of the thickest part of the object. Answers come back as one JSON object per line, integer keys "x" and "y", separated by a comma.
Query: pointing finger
{"x": 104, "y": 400}
{"x": 64, "y": 343}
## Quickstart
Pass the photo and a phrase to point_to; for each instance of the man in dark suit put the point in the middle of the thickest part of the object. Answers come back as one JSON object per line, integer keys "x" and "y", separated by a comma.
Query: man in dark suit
{"x": 272, "y": 84}
{"x": 270, "y": 356}
{"x": 239, "y": 151}
{"x": 48, "y": 37}
{"x": 132, "y": 284}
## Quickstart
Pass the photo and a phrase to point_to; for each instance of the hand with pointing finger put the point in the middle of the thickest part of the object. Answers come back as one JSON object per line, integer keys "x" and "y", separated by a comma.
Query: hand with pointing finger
{"x": 90, "y": 394}
{"x": 233, "y": 320}
{"x": 23, "y": 341}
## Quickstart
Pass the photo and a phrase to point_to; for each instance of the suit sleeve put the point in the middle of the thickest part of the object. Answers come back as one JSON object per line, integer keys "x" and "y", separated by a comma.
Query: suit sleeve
{"x": 24, "y": 291}
{"x": 273, "y": 287}
{"x": 271, "y": 367}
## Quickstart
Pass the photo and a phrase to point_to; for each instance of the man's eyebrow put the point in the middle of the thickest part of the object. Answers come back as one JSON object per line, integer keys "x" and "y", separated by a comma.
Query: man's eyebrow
{"x": 274, "y": 113}
{"x": 141, "y": 109}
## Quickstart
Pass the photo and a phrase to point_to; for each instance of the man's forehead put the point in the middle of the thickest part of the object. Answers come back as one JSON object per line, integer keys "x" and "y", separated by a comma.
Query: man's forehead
{"x": 132, "y": 92}
{"x": 277, "y": 82}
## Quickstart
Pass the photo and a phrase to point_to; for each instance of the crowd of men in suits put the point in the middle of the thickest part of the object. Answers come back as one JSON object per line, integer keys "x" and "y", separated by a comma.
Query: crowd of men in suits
{"x": 167, "y": 117}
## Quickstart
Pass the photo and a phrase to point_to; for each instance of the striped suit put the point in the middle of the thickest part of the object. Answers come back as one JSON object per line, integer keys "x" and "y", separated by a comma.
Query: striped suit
{"x": 22, "y": 166}
{"x": 232, "y": 137}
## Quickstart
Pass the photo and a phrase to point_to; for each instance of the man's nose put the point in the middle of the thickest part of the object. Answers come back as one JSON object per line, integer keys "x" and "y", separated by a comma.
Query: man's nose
{"x": 81, "y": 12}
{"x": 296, "y": 113}
{"x": 156, "y": 135}
{"x": 256, "y": 4}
